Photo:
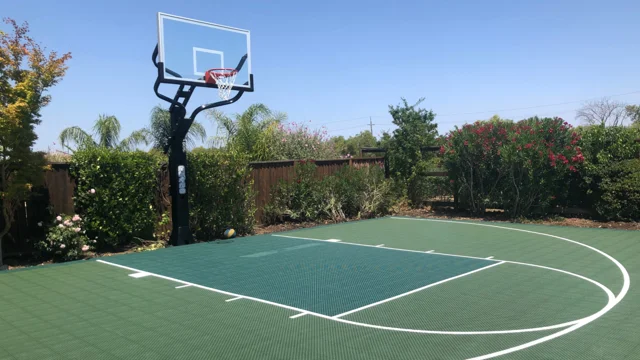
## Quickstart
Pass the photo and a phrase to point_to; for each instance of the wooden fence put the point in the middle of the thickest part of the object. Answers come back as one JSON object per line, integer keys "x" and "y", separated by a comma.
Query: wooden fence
{"x": 56, "y": 196}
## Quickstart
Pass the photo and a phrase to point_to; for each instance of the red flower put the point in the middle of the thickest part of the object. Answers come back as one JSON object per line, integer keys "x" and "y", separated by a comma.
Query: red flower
{"x": 573, "y": 168}
{"x": 519, "y": 147}
{"x": 452, "y": 181}
{"x": 528, "y": 146}
{"x": 573, "y": 142}
{"x": 466, "y": 143}
{"x": 551, "y": 131}
{"x": 441, "y": 150}
{"x": 532, "y": 132}
{"x": 514, "y": 139}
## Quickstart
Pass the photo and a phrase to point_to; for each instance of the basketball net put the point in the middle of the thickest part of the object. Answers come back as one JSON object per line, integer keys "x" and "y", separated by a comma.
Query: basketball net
{"x": 224, "y": 78}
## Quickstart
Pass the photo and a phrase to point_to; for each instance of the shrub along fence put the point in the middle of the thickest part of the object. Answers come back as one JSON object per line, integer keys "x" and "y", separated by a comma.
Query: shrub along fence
{"x": 59, "y": 190}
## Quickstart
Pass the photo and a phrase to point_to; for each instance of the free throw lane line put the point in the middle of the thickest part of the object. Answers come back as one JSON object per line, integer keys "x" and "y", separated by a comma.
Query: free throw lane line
{"x": 416, "y": 290}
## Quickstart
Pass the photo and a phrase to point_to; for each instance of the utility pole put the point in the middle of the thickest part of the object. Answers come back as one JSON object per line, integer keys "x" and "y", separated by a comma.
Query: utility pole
{"x": 371, "y": 125}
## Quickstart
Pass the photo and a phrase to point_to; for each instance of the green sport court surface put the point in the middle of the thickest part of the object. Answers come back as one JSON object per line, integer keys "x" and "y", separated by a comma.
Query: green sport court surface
{"x": 391, "y": 288}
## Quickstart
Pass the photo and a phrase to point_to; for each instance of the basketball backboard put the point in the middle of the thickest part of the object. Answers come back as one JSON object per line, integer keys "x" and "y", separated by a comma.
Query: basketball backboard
{"x": 187, "y": 48}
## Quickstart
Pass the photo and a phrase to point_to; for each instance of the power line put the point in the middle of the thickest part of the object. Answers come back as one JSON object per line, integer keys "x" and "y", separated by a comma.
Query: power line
{"x": 521, "y": 108}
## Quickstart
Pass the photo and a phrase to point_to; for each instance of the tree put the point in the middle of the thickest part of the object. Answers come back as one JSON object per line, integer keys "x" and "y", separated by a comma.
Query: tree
{"x": 250, "y": 132}
{"x": 416, "y": 129}
{"x": 106, "y": 131}
{"x": 26, "y": 73}
{"x": 633, "y": 112}
{"x": 159, "y": 130}
{"x": 355, "y": 143}
{"x": 604, "y": 112}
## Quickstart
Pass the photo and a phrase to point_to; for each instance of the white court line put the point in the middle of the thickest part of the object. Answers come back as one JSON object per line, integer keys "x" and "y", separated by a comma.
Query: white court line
{"x": 182, "y": 286}
{"x": 489, "y": 257}
{"x": 139, "y": 274}
{"x": 430, "y": 251}
{"x": 234, "y": 299}
{"x": 416, "y": 290}
{"x": 298, "y": 315}
{"x": 381, "y": 245}
{"x": 333, "y": 240}
{"x": 388, "y": 248}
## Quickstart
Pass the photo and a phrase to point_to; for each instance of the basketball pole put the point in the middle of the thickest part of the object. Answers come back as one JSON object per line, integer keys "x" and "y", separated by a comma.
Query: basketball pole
{"x": 175, "y": 147}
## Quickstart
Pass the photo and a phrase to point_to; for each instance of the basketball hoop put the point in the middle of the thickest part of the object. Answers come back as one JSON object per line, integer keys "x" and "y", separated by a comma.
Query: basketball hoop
{"x": 224, "y": 78}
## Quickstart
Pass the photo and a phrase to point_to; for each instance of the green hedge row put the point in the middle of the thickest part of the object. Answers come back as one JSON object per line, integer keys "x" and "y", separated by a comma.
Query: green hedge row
{"x": 116, "y": 195}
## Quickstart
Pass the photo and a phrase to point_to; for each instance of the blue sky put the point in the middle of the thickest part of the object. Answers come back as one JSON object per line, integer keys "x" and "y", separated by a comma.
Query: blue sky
{"x": 338, "y": 62}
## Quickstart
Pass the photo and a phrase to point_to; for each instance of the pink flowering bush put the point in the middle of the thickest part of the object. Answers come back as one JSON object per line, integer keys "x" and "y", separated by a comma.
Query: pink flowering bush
{"x": 66, "y": 239}
{"x": 298, "y": 141}
{"x": 515, "y": 165}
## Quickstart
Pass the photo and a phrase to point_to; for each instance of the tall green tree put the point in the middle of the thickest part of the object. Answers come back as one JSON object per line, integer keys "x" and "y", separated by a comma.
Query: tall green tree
{"x": 416, "y": 129}
{"x": 251, "y": 132}
{"x": 633, "y": 112}
{"x": 355, "y": 143}
{"x": 159, "y": 130}
{"x": 26, "y": 73}
{"x": 106, "y": 133}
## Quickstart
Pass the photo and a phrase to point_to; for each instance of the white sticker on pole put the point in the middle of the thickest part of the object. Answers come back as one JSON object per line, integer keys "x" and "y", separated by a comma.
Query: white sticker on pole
{"x": 182, "y": 180}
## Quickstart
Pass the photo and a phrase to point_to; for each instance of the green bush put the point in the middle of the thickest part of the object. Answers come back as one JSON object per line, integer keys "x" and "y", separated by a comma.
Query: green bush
{"x": 620, "y": 191}
{"x": 604, "y": 148}
{"x": 220, "y": 193}
{"x": 114, "y": 194}
{"x": 352, "y": 192}
{"x": 301, "y": 199}
{"x": 66, "y": 239}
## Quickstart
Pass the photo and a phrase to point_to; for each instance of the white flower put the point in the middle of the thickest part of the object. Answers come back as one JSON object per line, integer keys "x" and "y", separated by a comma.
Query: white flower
{"x": 85, "y": 248}
{"x": 59, "y": 218}
{"x": 40, "y": 224}
{"x": 61, "y": 226}
{"x": 62, "y": 246}
{"x": 92, "y": 191}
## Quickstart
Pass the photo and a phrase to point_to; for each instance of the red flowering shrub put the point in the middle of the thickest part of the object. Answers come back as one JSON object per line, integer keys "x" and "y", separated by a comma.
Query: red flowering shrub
{"x": 514, "y": 165}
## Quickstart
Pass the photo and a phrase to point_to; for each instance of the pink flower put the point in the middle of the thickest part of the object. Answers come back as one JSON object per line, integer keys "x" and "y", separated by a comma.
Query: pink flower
{"x": 67, "y": 223}
{"x": 59, "y": 218}
{"x": 85, "y": 248}
{"x": 62, "y": 246}
{"x": 76, "y": 218}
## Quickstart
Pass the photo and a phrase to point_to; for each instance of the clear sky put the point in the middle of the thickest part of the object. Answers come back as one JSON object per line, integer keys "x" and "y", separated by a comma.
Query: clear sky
{"x": 338, "y": 62}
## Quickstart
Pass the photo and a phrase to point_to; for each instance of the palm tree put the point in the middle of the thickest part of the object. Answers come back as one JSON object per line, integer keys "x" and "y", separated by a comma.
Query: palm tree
{"x": 107, "y": 134}
{"x": 249, "y": 131}
{"x": 159, "y": 130}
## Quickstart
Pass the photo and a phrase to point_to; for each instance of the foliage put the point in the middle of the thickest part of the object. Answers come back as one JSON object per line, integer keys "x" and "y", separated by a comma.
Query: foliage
{"x": 352, "y": 192}
{"x": 352, "y": 146}
{"x": 620, "y": 191}
{"x": 422, "y": 187}
{"x": 106, "y": 130}
{"x": 115, "y": 192}
{"x": 250, "y": 133}
{"x": 66, "y": 239}
{"x": 26, "y": 74}
{"x": 296, "y": 141}
{"x": 608, "y": 151}
{"x": 519, "y": 166}
{"x": 633, "y": 112}
{"x": 300, "y": 199}
{"x": 159, "y": 130}
{"x": 221, "y": 193}
{"x": 604, "y": 112}
{"x": 416, "y": 130}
